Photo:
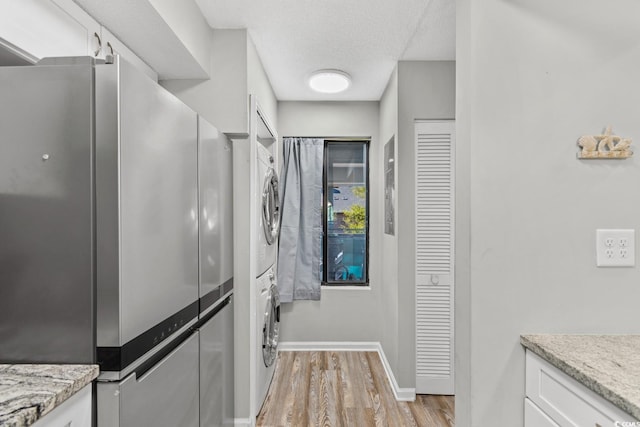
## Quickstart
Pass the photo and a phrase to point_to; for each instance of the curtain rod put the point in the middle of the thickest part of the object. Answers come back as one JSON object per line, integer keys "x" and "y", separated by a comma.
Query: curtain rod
{"x": 334, "y": 138}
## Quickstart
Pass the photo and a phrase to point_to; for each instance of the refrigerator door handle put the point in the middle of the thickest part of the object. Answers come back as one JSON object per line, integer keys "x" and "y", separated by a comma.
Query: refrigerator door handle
{"x": 161, "y": 356}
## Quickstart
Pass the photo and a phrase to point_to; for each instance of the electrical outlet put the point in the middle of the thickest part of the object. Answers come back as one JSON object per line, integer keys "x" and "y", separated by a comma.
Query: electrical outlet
{"x": 615, "y": 248}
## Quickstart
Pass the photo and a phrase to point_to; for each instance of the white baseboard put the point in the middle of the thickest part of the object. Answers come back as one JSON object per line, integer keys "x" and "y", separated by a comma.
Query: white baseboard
{"x": 242, "y": 422}
{"x": 401, "y": 394}
{"x": 328, "y": 346}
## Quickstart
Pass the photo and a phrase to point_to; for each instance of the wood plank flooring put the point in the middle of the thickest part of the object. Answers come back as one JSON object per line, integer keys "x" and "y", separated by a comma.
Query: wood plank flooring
{"x": 347, "y": 389}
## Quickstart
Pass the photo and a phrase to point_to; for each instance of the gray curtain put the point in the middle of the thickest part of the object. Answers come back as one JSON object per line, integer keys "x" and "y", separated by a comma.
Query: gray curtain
{"x": 300, "y": 250}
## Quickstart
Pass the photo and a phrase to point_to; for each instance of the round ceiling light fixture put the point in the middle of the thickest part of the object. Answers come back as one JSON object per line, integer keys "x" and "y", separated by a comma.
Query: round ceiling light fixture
{"x": 329, "y": 81}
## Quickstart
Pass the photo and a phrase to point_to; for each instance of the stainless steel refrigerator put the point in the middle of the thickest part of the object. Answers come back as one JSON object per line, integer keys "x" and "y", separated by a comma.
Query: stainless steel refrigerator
{"x": 99, "y": 234}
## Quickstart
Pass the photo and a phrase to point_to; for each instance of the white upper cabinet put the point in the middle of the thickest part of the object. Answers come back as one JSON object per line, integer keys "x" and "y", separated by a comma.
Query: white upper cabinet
{"x": 36, "y": 28}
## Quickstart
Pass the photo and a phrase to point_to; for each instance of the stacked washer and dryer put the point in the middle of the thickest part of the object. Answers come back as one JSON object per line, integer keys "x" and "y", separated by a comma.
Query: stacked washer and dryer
{"x": 267, "y": 296}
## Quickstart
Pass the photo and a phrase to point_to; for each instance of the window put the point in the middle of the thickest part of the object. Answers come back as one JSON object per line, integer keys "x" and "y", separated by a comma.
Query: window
{"x": 346, "y": 213}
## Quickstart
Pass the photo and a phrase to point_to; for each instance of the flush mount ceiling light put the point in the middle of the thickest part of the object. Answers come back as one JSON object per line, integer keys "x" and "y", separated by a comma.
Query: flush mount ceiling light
{"x": 329, "y": 81}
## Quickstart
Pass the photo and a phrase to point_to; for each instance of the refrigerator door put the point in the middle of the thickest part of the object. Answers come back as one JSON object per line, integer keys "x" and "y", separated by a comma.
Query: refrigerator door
{"x": 46, "y": 213}
{"x": 164, "y": 394}
{"x": 147, "y": 212}
{"x": 216, "y": 368}
{"x": 215, "y": 187}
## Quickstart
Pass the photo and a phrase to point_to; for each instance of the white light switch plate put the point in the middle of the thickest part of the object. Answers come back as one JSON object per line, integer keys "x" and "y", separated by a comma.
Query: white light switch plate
{"x": 615, "y": 248}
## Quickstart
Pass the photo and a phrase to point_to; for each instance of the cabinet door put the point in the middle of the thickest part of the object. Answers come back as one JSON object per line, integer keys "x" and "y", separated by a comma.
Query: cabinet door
{"x": 534, "y": 417}
{"x": 37, "y": 29}
{"x": 566, "y": 400}
{"x": 216, "y": 370}
{"x": 167, "y": 394}
{"x": 92, "y": 26}
{"x": 75, "y": 411}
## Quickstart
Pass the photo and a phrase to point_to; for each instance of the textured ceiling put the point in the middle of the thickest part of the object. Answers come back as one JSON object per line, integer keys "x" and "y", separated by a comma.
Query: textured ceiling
{"x": 365, "y": 38}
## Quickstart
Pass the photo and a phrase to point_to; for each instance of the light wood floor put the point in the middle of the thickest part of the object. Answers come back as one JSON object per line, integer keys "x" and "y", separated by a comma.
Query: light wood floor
{"x": 350, "y": 389}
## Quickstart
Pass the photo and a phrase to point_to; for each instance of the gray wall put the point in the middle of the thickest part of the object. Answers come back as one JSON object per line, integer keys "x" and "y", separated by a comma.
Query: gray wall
{"x": 191, "y": 28}
{"x": 258, "y": 84}
{"x": 416, "y": 90}
{"x": 462, "y": 335}
{"x": 236, "y": 72}
{"x": 389, "y": 265}
{"x": 222, "y": 100}
{"x": 385, "y": 313}
{"x": 537, "y": 76}
{"x": 341, "y": 315}
{"x": 426, "y": 90}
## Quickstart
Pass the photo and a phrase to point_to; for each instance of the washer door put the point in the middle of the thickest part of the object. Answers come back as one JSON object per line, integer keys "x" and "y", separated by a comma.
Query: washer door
{"x": 271, "y": 207}
{"x": 271, "y": 327}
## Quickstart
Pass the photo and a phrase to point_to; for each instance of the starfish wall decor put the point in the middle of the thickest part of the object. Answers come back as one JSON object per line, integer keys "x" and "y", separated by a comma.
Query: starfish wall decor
{"x": 605, "y": 146}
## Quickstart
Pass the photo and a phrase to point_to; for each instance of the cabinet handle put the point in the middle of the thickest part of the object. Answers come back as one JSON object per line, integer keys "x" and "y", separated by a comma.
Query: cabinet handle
{"x": 598, "y": 425}
{"x": 97, "y": 51}
{"x": 110, "y": 47}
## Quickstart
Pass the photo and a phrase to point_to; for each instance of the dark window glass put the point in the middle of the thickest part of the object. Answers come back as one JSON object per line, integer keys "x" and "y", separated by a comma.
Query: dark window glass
{"x": 346, "y": 213}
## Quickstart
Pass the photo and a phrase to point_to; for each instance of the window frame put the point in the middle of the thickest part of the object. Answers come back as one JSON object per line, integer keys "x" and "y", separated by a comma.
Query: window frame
{"x": 325, "y": 223}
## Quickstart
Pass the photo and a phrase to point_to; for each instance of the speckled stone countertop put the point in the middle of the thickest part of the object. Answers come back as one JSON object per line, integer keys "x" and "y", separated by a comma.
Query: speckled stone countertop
{"x": 607, "y": 364}
{"x": 29, "y": 392}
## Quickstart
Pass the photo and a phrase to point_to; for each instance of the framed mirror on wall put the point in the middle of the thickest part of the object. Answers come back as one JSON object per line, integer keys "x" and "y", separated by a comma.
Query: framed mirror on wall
{"x": 389, "y": 186}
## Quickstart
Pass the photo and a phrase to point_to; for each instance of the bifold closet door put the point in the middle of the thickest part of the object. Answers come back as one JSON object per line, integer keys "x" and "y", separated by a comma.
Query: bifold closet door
{"x": 434, "y": 256}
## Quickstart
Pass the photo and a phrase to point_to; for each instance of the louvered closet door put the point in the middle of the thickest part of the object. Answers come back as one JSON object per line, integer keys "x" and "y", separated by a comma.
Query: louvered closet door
{"x": 434, "y": 257}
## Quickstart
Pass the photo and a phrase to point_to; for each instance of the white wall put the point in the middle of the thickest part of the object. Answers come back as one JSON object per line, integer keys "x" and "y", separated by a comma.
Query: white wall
{"x": 340, "y": 315}
{"x": 537, "y": 76}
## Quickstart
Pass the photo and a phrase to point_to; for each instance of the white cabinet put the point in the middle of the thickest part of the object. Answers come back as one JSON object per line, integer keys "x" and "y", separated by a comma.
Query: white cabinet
{"x": 73, "y": 412}
{"x": 534, "y": 417}
{"x": 101, "y": 42}
{"x": 37, "y": 28}
{"x": 555, "y": 399}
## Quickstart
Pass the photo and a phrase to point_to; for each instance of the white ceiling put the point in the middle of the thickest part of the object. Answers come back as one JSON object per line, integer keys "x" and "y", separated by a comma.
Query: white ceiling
{"x": 365, "y": 38}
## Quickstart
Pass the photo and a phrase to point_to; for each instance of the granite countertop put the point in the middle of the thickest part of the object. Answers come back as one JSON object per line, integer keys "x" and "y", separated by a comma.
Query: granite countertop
{"x": 29, "y": 392}
{"x": 607, "y": 364}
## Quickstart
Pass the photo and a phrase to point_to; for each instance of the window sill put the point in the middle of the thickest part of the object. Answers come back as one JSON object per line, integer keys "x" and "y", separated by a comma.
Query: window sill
{"x": 346, "y": 288}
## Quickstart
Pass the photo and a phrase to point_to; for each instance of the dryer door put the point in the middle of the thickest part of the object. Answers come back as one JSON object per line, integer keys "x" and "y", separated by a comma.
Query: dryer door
{"x": 271, "y": 327}
{"x": 271, "y": 207}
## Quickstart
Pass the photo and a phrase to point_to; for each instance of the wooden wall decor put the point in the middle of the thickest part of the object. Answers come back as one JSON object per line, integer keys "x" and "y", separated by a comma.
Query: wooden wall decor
{"x": 605, "y": 146}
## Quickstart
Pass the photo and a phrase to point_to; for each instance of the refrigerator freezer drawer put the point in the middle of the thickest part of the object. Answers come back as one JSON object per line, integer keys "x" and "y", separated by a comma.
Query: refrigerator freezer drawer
{"x": 164, "y": 395}
{"x": 216, "y": 368}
